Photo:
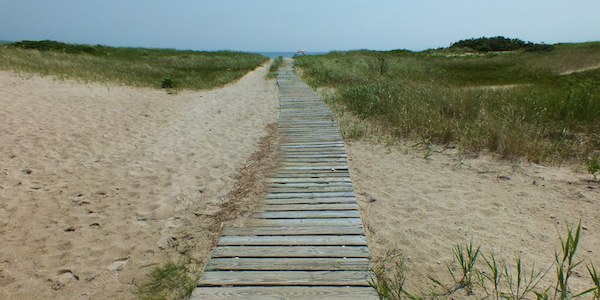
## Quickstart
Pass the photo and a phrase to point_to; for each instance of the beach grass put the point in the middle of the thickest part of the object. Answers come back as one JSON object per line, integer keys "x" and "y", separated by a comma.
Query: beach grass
{"x": 274, "y": 67}
{"x": 138, "y": 67}
{"x": 515, "y": 104}
{"x": 172, "y": 280}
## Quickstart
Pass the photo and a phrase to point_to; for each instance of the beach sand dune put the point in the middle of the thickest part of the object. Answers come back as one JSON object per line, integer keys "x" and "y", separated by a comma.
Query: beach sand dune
{"x": 98, "y": 184}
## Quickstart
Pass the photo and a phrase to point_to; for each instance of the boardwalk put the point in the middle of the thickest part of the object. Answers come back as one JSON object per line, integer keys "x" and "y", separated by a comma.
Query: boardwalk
{"x": 307, "y": 241}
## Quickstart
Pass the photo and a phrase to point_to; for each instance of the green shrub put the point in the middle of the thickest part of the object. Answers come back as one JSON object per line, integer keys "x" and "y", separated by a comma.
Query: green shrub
{"x": 167, "y": 83}
{"x": 173, "y": 280}
{"x": 593, "y": 166}
{"x": 500, "y": 43}
{"x": 48, "y": 45}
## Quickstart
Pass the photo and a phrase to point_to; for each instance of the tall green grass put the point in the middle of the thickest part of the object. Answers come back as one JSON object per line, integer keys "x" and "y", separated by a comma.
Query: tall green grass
{"x": 137, "y": 67}
{"x": 274, "y": 67}
{"x": 543, "y": 116}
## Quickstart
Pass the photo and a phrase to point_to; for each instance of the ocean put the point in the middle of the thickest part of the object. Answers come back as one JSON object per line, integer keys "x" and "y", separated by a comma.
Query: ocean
{"x": 275, "y": 55}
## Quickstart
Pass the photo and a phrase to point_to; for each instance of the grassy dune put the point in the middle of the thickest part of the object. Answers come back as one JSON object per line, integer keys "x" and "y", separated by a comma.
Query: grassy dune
{"x": 453, "y": 98}
{"x": 138, "y": 67}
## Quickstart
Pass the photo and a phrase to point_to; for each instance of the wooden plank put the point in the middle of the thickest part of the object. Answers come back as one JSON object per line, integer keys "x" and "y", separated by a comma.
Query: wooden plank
{"x": 284, "y": 278}
{"x": 317, "y": 156}
{"x": 315, "y": 183}
{"x": 309, "y": 195}
{"x": 308, "y": 207}
{"x": 313, "y": 143}
{"x": 306, "y": 214}
{"x": 299, "y": 153}
{"x": 309, "y": 200}
{"x": 310, "y": 189}
{"x": 295, "y": 230}
{"x": 309, "y": 150}
{"x": 285, "y": 292}
{"x": 291, "y": 251}
{"x": 333, "y": 132}
{"x": 299, "y": 179}
{"x": 294, "y": 240}
{"x": 319, "y": 183}
{"x": 288, "y": 264}
{"x": 314, "y": 162}
{"x": 303, "y": 222}
{"x": 311, "y": 138}
{"x": 314, "y": 175}
{"x": 329, "y": 130}
{"x": 331, "y": 168}
{"x": 304, "y": 146}
{"x": 298, "y": 159}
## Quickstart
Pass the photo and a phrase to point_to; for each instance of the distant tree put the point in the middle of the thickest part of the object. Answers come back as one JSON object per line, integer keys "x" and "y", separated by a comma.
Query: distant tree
{"x": 499, "y": 43}
{"x": 48, "y": 45}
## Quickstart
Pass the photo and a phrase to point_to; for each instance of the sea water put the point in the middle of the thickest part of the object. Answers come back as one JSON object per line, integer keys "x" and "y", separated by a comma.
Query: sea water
{"x": 275, "y": 55}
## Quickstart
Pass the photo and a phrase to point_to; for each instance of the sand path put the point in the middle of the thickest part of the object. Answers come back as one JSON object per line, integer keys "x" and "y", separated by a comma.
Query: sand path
{"x": 100, "y": 183}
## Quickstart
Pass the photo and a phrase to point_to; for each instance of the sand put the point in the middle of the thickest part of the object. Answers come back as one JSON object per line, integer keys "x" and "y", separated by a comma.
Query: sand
{"x": 423, "y": 208}
{"x": 98, "y": 184}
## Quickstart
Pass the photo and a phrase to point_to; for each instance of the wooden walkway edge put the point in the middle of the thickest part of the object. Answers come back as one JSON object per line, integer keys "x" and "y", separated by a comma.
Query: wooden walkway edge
{"x": 307, "y": 241}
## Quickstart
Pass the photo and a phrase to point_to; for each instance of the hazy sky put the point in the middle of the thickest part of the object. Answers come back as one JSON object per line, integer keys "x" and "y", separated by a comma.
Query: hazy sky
{"x": 285, "y": 25}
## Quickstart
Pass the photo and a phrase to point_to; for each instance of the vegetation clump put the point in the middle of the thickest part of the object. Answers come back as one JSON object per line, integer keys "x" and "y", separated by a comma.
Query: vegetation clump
{"x": 48, "y": 45}
{"x": 173, "y": 280}
{"x": 274, "y": 67}
{"x": 167, "y": 83}
{"x": 500, "y": 43}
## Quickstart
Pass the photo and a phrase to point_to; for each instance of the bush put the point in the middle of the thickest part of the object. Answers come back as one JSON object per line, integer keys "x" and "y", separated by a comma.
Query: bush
{"x": 48, "y": 45}
{"x": 500, "y": 43}
{"x": 167, "y": 83}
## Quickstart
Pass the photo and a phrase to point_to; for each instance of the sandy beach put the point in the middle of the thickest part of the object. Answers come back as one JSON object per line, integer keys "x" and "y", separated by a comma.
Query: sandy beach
{"x": 98, "y": 184}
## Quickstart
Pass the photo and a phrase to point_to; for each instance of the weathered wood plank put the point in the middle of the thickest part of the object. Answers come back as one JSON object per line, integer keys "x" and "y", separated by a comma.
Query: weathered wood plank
{"x": 284, "y": 278}
{"x": 313, "y": 143}
{"x": 309, "y": 195}
{"x": 309, "y": 200}
{"x": 298, "y": 240}
{"x": 285, "y": 292}
{"x": 293, "y": 157}
{"x": 301, "y": 180}
{"x": 314, "y": 160}
{"x": 288, "y": 264}
{"x": 304, "y": 146}
{"x": 306, "y": 214}
{"x": 307, "y": 207}
{"x": 304, "y": 184}
{"x": 303, "y": 222}
{"x": 291, "y": 251}
{"x": 295, "y": 230}
{"x": 319, "y": 183}
{"x": 315, "y": 175}
{"x": 332, "y": 168}
{"x": 310, "y": 189}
